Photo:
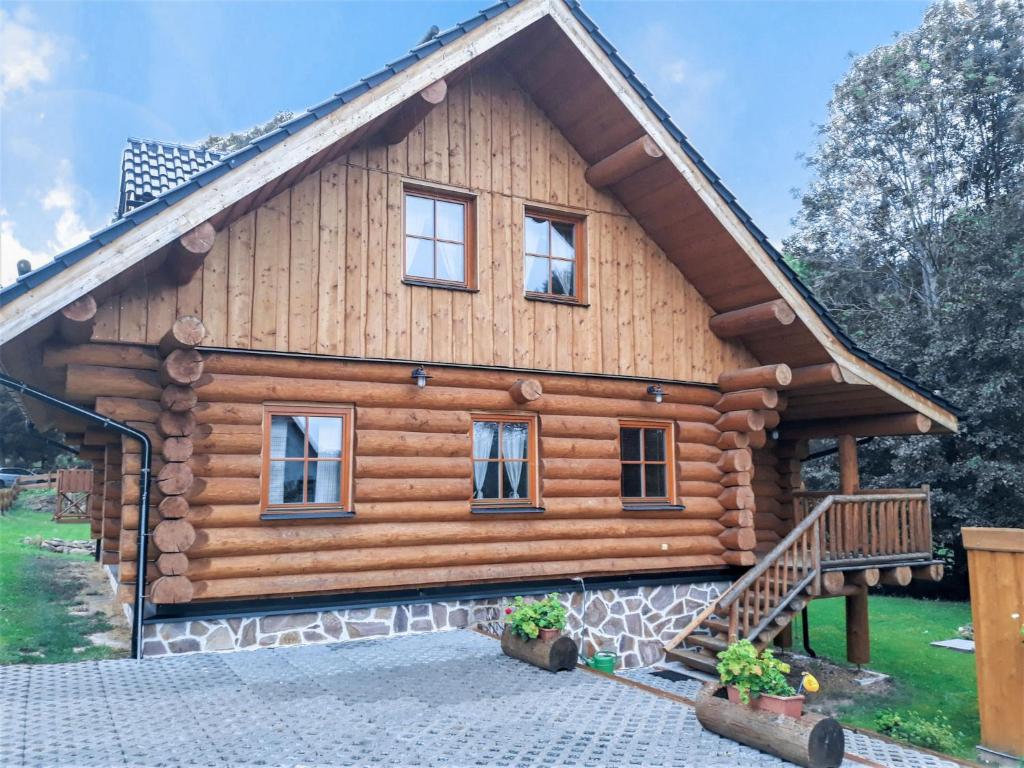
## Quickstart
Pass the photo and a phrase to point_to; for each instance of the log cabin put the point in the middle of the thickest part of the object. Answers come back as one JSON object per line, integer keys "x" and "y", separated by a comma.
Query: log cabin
{"x": 482, "y": 324}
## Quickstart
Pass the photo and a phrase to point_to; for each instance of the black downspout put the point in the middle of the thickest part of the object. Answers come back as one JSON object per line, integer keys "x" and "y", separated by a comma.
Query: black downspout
{"x": 147, "y": 460}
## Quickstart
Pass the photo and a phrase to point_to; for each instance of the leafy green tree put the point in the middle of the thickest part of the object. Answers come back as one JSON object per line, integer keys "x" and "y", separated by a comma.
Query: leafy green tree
{"x": 21, "y": 445}
{"x": 912, "y": 233}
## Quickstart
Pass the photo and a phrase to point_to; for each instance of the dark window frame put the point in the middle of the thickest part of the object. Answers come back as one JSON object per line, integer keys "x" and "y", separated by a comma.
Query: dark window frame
{"x": 669, "y": 461}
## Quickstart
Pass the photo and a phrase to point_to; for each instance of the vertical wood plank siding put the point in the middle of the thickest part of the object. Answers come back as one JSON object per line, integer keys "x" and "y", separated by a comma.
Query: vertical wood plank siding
{"x": 318, "y": 268}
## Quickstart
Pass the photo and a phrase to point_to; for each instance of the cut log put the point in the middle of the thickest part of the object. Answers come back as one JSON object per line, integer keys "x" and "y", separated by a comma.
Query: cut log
{"x": 735, "y": 478}
{"x": 189, "y": 252}
{"x": 623, "y": 162}
{"x": 741, "y": 421}
{"x": 177, "y": 449}
{"x": 187, "y": 332}
{"x": 930, "y": 572}
{"x": 759, "y": 439}
{"x": 178, "y": 399}
{"x": 742, "y": 539}
{"x": 867, "y": 578}
{"x": 866, "y": 426}
{"x": 587, "y": 427}
{"x": 77, "y": 320}
{"x": 696, "y": 432}
{"x": 391, "y": 444}
{"x": 182, "y": 366}
{"x": 730, "y": 440}
{"x": 737, "y": 497}
{"x": 555, "y": 655}
{"x": 767, "y": 376}
{"x": 174, "y": 535}
{"x": 812, "y": 741}
{"x": 833, "y": 582}
{"x": 175, "y": 424}
{"x": 698, "y": 470}
{"x": 412, "y": 112}
{"x": 809, "y": 376}
{"x": 172, "y": 563}
{"x": 769, "y": 316}
{"x": 174, "y": 479}
{"x": 896, "y": 577}
{"x": 756, "y": 399}
{"x": 569, "y": 448}
{"x": 579, "y": 469}
{"x": 771, "y": 419}
{"x": 173, "y": 508}
{"x": 736, "y": 461}
{"x": 741, "y": 559}
{"x": 526, "y": 390}
{"x": 171, "y": 589}
{"x": 231, "y": 413}
{"x": 737, "y": 518}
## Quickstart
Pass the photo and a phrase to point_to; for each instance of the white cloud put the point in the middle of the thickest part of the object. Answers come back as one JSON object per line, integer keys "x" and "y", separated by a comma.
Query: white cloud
{"x": 13, "y": 250}
{"x": 26, "y": 55}
{"x": 69, "y": 228}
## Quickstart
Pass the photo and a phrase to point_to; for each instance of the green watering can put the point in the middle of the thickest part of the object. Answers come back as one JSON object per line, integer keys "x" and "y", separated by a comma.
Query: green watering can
{"x": 603, "y": 661}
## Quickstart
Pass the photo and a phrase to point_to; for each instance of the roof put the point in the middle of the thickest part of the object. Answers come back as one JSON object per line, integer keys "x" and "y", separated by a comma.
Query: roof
{"x": 225, "y": 164}
{"x": 150, "y": 169}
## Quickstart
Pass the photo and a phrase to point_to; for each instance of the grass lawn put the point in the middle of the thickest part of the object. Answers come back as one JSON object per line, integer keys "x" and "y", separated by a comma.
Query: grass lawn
{"x": 928, "y": 681}
{"x": 38, "y": 589}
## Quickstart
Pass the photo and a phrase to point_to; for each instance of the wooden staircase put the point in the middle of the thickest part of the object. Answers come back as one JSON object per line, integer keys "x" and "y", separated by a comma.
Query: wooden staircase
{"x": 764, "y": 601}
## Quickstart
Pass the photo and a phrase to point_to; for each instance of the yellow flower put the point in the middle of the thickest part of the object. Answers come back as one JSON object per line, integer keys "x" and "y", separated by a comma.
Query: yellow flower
{"x": 784, "y": 668}
{"x": 810, "y": 683}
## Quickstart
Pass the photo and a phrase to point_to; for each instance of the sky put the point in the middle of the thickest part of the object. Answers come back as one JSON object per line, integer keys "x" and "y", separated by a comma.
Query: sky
{"x": 748, "y": 82}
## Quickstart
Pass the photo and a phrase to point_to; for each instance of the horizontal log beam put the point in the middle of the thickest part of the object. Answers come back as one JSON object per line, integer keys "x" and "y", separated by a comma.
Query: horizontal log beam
{"x": 420, "y": 577}
{"x": 623, "y": 162}
{"x": 769, "y": 316}
{"x": 867, "y": 426}
{"x": 810, "y": 376}
{"x": 768, "y": 376}
{"x": 412, "y": 112}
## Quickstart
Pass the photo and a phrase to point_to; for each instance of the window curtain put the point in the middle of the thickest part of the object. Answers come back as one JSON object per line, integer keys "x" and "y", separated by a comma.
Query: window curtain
{"x": 513, "y": 446}
{"x": 278, "y": 447}
{"x": 451, "y": 256}
{"x": 483, "y": 437}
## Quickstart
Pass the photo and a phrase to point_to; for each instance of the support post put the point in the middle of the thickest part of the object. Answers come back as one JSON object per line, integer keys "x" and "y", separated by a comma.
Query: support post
{"x": 858, "y": 638}
{"x": 849, "y": 476}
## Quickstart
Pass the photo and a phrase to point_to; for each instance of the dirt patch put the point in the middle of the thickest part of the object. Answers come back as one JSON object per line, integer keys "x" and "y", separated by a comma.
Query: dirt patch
{"x": 839, "y": 685}
{"x": 95, "y": 596}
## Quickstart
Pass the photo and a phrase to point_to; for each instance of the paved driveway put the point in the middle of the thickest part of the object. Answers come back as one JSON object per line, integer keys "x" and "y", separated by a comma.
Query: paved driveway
{"x": 446, "y": 698}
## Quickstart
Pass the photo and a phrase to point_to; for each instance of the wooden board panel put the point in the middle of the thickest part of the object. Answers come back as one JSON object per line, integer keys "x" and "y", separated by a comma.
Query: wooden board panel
{"x": 319, "y": 267}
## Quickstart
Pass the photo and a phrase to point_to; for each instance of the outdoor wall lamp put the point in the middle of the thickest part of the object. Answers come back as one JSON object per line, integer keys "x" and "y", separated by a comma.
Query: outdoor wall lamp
{"x": 656, "y": 391}
{"x": 420, "y": 374}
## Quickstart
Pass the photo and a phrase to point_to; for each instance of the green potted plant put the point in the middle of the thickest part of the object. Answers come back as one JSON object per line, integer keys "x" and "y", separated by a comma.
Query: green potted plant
{"x": 539, "y": 618}
{"x": 758, "y": 680}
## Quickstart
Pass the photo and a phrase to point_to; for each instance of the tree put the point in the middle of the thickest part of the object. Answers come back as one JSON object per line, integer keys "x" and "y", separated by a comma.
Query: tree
{"x": 912, "y": 233}
{"x": 234, "y": 141}
{"x": 21, "y": 445}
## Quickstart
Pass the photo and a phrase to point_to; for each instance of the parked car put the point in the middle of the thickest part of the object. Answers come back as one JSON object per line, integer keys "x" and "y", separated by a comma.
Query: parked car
{"x": 10, "y": 475}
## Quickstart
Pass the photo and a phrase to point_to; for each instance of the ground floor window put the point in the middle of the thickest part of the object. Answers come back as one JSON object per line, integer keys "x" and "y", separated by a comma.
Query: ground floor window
{"x": 504, "y": 461}
{"x": 306, "y": 459}
{"x": 646, "y": 452}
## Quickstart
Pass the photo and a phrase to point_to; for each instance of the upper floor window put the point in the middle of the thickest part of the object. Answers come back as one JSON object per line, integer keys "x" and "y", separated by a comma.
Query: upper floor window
{"x": 646, "y": 452}
{"x": 504, "y": 461}
{"x": 306, "y": 459}
{"x": 438, "y": 238}
{"x": 553, "y": 250}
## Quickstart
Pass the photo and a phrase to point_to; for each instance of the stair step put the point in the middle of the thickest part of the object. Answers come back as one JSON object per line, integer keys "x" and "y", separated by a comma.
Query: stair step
{"x": 713, "y": 644}
{"x": 721, "y": 626}
{"x": 700, "y": 661}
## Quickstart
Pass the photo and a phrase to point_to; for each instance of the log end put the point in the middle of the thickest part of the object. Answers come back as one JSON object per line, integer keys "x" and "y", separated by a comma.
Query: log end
{"x": 171, "y": 589}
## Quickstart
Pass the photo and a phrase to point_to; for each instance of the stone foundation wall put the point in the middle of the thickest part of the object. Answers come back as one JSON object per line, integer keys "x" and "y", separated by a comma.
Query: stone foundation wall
{"x": 634, "y": 622}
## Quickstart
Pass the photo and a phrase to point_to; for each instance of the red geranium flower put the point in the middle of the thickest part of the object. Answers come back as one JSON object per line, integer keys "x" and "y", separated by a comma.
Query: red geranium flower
{"x": 508, "y": 611}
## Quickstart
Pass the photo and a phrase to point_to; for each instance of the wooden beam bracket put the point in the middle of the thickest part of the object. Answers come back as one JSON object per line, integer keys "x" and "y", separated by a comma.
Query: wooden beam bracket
{"x": 412, "y": 112}
{"x": 630, "y": 159}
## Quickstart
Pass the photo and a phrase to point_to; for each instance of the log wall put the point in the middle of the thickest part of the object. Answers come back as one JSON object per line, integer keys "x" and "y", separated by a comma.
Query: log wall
{"x": 412, "y": 477}
{"x": 319, "y": 268}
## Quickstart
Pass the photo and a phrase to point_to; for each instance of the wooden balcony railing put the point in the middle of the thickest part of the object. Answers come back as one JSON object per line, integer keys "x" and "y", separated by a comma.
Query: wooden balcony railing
{"x": 871, "y": 525}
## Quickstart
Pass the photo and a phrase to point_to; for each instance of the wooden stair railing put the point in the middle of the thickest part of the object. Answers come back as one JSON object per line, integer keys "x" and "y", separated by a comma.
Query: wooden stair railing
{"x": 756, "y": 599}
{"x": 839, "y": 529}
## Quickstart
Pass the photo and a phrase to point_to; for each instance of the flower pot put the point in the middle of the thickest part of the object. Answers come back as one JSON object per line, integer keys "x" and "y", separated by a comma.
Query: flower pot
{"x": 790, "y": 706}
{"x": 548, "y": 635}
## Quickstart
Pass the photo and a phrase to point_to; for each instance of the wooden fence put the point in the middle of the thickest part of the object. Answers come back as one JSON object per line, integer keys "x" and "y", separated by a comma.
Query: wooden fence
{"x": 995, "y": 560}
